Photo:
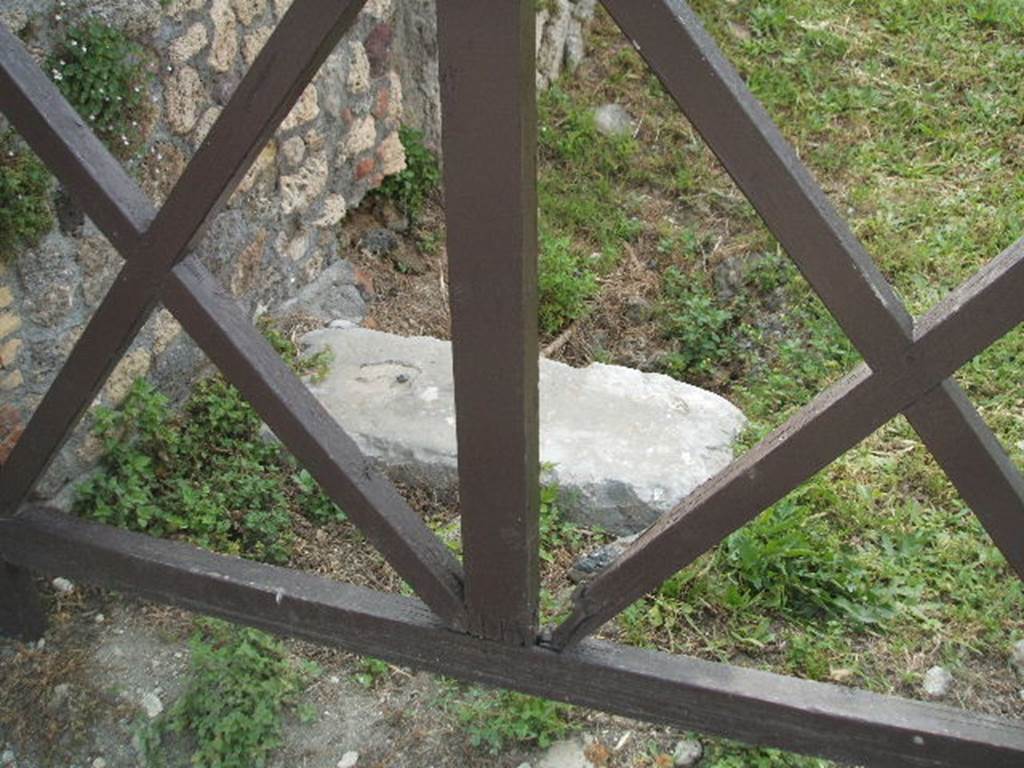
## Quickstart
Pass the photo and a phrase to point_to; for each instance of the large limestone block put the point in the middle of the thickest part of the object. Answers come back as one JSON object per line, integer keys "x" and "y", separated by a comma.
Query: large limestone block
{"x": 625, "y": 446}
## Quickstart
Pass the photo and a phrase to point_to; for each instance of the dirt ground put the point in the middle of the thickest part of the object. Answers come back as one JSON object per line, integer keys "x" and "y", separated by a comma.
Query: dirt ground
{"x": 80, "y": 699}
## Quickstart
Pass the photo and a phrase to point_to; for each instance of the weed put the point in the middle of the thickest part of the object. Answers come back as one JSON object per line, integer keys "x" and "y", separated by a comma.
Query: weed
{"x": 240, "y": 685}
{"x": 410, "y": 188}
{"x": 494, "y": 720}
{"x": 208, "y": 476}
{"x": 102, "y": 73}
{"x": 556, "y": 532}
{"x": 784, "y": 561}
{"x": 371, "y": 672}
{"x": 726, "y": 754}
{"x": 565, "y": 283}
{"x": 702, "y": 329}
{"x": 25, "y": 211}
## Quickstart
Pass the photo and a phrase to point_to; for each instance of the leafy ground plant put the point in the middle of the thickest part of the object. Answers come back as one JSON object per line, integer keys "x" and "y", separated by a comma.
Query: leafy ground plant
{"x": 410, "y": 188}
{"x": 25, "y": 210}
{"x": 495, "y": 720}
{"x": 208, "y": 475}
{"x": 241, "y": 684}
{"x": 102, "y": 73}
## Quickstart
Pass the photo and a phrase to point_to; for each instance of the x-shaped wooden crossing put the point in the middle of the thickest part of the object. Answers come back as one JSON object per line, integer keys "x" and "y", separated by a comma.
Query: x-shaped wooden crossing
{"x": 487, "y": 73}
{"x": 155, "y": 245}
{"x": 902, "y": 372}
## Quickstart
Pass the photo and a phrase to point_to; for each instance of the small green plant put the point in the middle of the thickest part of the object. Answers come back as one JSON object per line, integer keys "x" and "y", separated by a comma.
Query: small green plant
{"x": 410, "y": 188}
{"x": 240, "y": 686}
{"x": 556, "y": 532}
{"x": 699, "y": 325}
{"x": 727, "y": 754}
{"x": 783, "y": 562}
{"x": 315, "y": 366}
{"x": 25, "y": 212}
{"x": 371, "y": 672}
{"x": 496, "y": 719}
{"x": 102, "y": 73}
{"x": 565, "y": 283}
{"x": 208, "y": 476}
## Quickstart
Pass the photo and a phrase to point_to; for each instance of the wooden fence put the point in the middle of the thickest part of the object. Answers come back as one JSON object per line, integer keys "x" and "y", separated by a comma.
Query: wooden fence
{"x": 477, "y": 620}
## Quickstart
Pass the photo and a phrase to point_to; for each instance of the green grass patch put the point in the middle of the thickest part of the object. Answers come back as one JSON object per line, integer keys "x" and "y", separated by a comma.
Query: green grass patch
{"x": 241, "y": 684}
{"x": 498, "y": 720}
{"x": 26, "y": 213}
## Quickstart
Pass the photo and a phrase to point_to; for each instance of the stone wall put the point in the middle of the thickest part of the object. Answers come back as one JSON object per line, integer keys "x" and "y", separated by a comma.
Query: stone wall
{"x": 276, "y": 244}
{"x": 561, "y": 31}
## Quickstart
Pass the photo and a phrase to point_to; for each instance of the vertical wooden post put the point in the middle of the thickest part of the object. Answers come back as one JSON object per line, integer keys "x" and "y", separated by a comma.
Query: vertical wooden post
{"x": 21, "y": 614}
{"x": 488, "y": 88}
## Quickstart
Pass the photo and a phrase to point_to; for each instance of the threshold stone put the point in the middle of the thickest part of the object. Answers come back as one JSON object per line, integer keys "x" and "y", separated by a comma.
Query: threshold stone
{"x": 623, "y": 446}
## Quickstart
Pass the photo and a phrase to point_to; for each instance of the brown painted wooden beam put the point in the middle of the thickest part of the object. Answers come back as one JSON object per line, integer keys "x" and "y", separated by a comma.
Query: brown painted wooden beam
{"x": 21, "y": 613}
{"x": 745, "y": 704}
{"x": 488, "y": 97}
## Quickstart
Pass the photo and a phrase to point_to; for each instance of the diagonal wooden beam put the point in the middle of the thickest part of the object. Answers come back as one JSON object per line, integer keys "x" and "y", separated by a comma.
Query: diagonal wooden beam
{"x": 976, "y": 462}
{"x": 488, "y": 96}
{"x": 769, "y": 172}
{"x": 750, "y": 705}
{"x": 968, "y": 321}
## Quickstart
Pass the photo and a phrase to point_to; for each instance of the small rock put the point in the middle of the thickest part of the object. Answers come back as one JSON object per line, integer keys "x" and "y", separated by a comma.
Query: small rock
{"x": 99, "y": 762}
{"x": 335, "y": 680}
{"x": 937, "y": 682}
{"x": 687, "y": 752}
{"x": 7, "y": 758}
{"x": 613, "y": 120}
{"x": 565, "y": 754}
{"x": 379, "y": 242}
{"x": 100, "y": 618}
{"x": 152, "y": 704}
{"x": 1017, "y": 656}
{"x": 599, "y": 559}
{"x": 60, "y": 694}
{"x": 63, "y": 586}
{"x": 348, "y": 760}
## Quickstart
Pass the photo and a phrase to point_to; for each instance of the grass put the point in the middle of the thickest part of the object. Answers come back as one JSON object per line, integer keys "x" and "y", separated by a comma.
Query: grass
{"x": 241, "y": 684}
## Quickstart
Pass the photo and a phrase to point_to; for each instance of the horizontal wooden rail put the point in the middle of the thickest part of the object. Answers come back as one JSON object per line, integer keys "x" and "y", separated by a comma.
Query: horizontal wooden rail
{"x": 757, "y": 707}
{"x": 975, "y": 316}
